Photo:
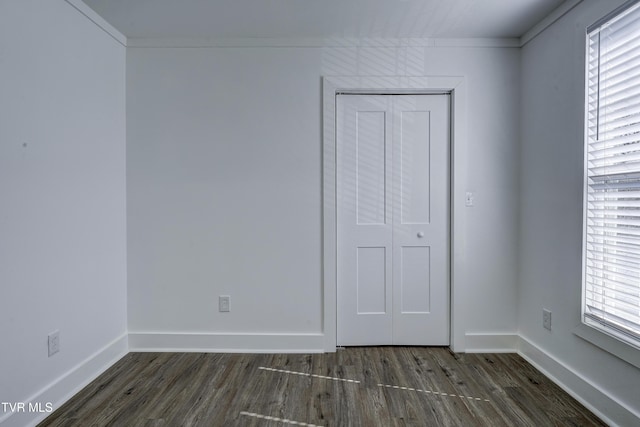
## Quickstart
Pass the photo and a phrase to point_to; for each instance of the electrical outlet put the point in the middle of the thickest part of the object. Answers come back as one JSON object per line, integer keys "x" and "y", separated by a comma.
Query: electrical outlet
{"x": 224, "y": 303}
{"x": 54, "y": 343}
{"x": 546, "y": 318}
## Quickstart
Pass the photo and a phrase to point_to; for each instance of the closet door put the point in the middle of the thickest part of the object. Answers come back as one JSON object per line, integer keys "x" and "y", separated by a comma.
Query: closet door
{"x": 420, "y": 206}
{"x": 393, "y": 219}
{"x": 365, "y": 227}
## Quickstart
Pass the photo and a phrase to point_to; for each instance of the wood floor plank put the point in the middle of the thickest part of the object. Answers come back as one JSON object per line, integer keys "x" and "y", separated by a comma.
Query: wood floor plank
{"x": 420, "y": 387}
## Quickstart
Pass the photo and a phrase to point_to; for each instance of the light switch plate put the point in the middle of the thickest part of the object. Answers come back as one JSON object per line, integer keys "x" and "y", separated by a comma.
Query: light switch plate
{"x": 468, "y": 199}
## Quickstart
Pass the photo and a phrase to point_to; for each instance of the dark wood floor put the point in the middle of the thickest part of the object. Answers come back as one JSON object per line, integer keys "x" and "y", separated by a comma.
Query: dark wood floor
{"x": 388, "y": 386}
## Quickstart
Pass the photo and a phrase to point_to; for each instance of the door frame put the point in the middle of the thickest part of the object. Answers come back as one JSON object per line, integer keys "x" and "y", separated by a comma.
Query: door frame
{"x": 370, "y": 85}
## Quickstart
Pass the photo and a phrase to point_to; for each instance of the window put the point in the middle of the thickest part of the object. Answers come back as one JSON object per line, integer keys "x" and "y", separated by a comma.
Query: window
{"x": 611, "y": 284}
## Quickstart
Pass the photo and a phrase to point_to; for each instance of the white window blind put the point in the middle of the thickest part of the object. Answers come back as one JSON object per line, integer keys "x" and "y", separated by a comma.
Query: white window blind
{"x": 611, "y": 288}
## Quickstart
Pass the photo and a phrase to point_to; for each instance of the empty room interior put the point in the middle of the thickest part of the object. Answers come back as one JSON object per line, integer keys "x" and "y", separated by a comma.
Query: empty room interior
{"x": 332, "y": 212}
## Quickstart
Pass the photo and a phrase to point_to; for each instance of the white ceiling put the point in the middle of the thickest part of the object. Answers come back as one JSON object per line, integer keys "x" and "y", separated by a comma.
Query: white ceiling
{"x": 322, "y": 18}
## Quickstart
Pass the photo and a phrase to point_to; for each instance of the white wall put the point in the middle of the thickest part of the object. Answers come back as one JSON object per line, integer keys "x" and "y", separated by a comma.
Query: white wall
{"x": 62, "y": 201}
{"x": 224, "y": 176}
{"x": 224, "y": 180}
{"x": 551, "y": 225}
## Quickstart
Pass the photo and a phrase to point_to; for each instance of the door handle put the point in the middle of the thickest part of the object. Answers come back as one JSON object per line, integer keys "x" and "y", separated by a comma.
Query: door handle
{"x": 420, "y": 234}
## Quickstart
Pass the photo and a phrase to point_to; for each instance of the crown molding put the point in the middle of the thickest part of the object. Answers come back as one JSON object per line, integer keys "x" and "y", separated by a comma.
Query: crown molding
{"x": 335, "y": 42}
{"x": 549, "y": 20}
{"x": 99, "y": 21}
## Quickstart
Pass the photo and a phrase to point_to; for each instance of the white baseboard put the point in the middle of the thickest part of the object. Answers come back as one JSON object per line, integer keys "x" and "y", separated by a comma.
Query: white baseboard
{"x": 62, "y": 389}
{"x": 226, "y": 342}
{"x": 585, "y": 392}
{"x": 491, "y": 343}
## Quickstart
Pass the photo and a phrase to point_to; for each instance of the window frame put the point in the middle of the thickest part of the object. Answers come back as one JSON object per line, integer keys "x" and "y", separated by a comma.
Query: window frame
{"x": 606, "y": 338}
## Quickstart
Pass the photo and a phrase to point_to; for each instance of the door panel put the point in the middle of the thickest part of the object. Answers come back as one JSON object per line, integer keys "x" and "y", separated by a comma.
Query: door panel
{"x": 370, "y": 167}
{"x": 421, "y": 219}
{"x": 393, "y": 219}
{"x": 415, "y": 146}
{"x": 371, "y": 281}
{"x": 415, "y": 280}
{"x": 364, "y": 226}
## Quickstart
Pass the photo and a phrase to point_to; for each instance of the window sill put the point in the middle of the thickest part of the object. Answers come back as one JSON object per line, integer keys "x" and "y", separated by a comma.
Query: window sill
{"x": 610, "y": 344}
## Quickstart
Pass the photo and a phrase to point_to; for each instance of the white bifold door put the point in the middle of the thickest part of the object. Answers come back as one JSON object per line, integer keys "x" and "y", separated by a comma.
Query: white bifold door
{"x": 393, "y": 219}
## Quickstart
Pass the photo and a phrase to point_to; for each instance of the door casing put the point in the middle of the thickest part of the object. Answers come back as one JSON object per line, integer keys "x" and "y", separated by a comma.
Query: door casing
{"x": 456, "y": 88}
